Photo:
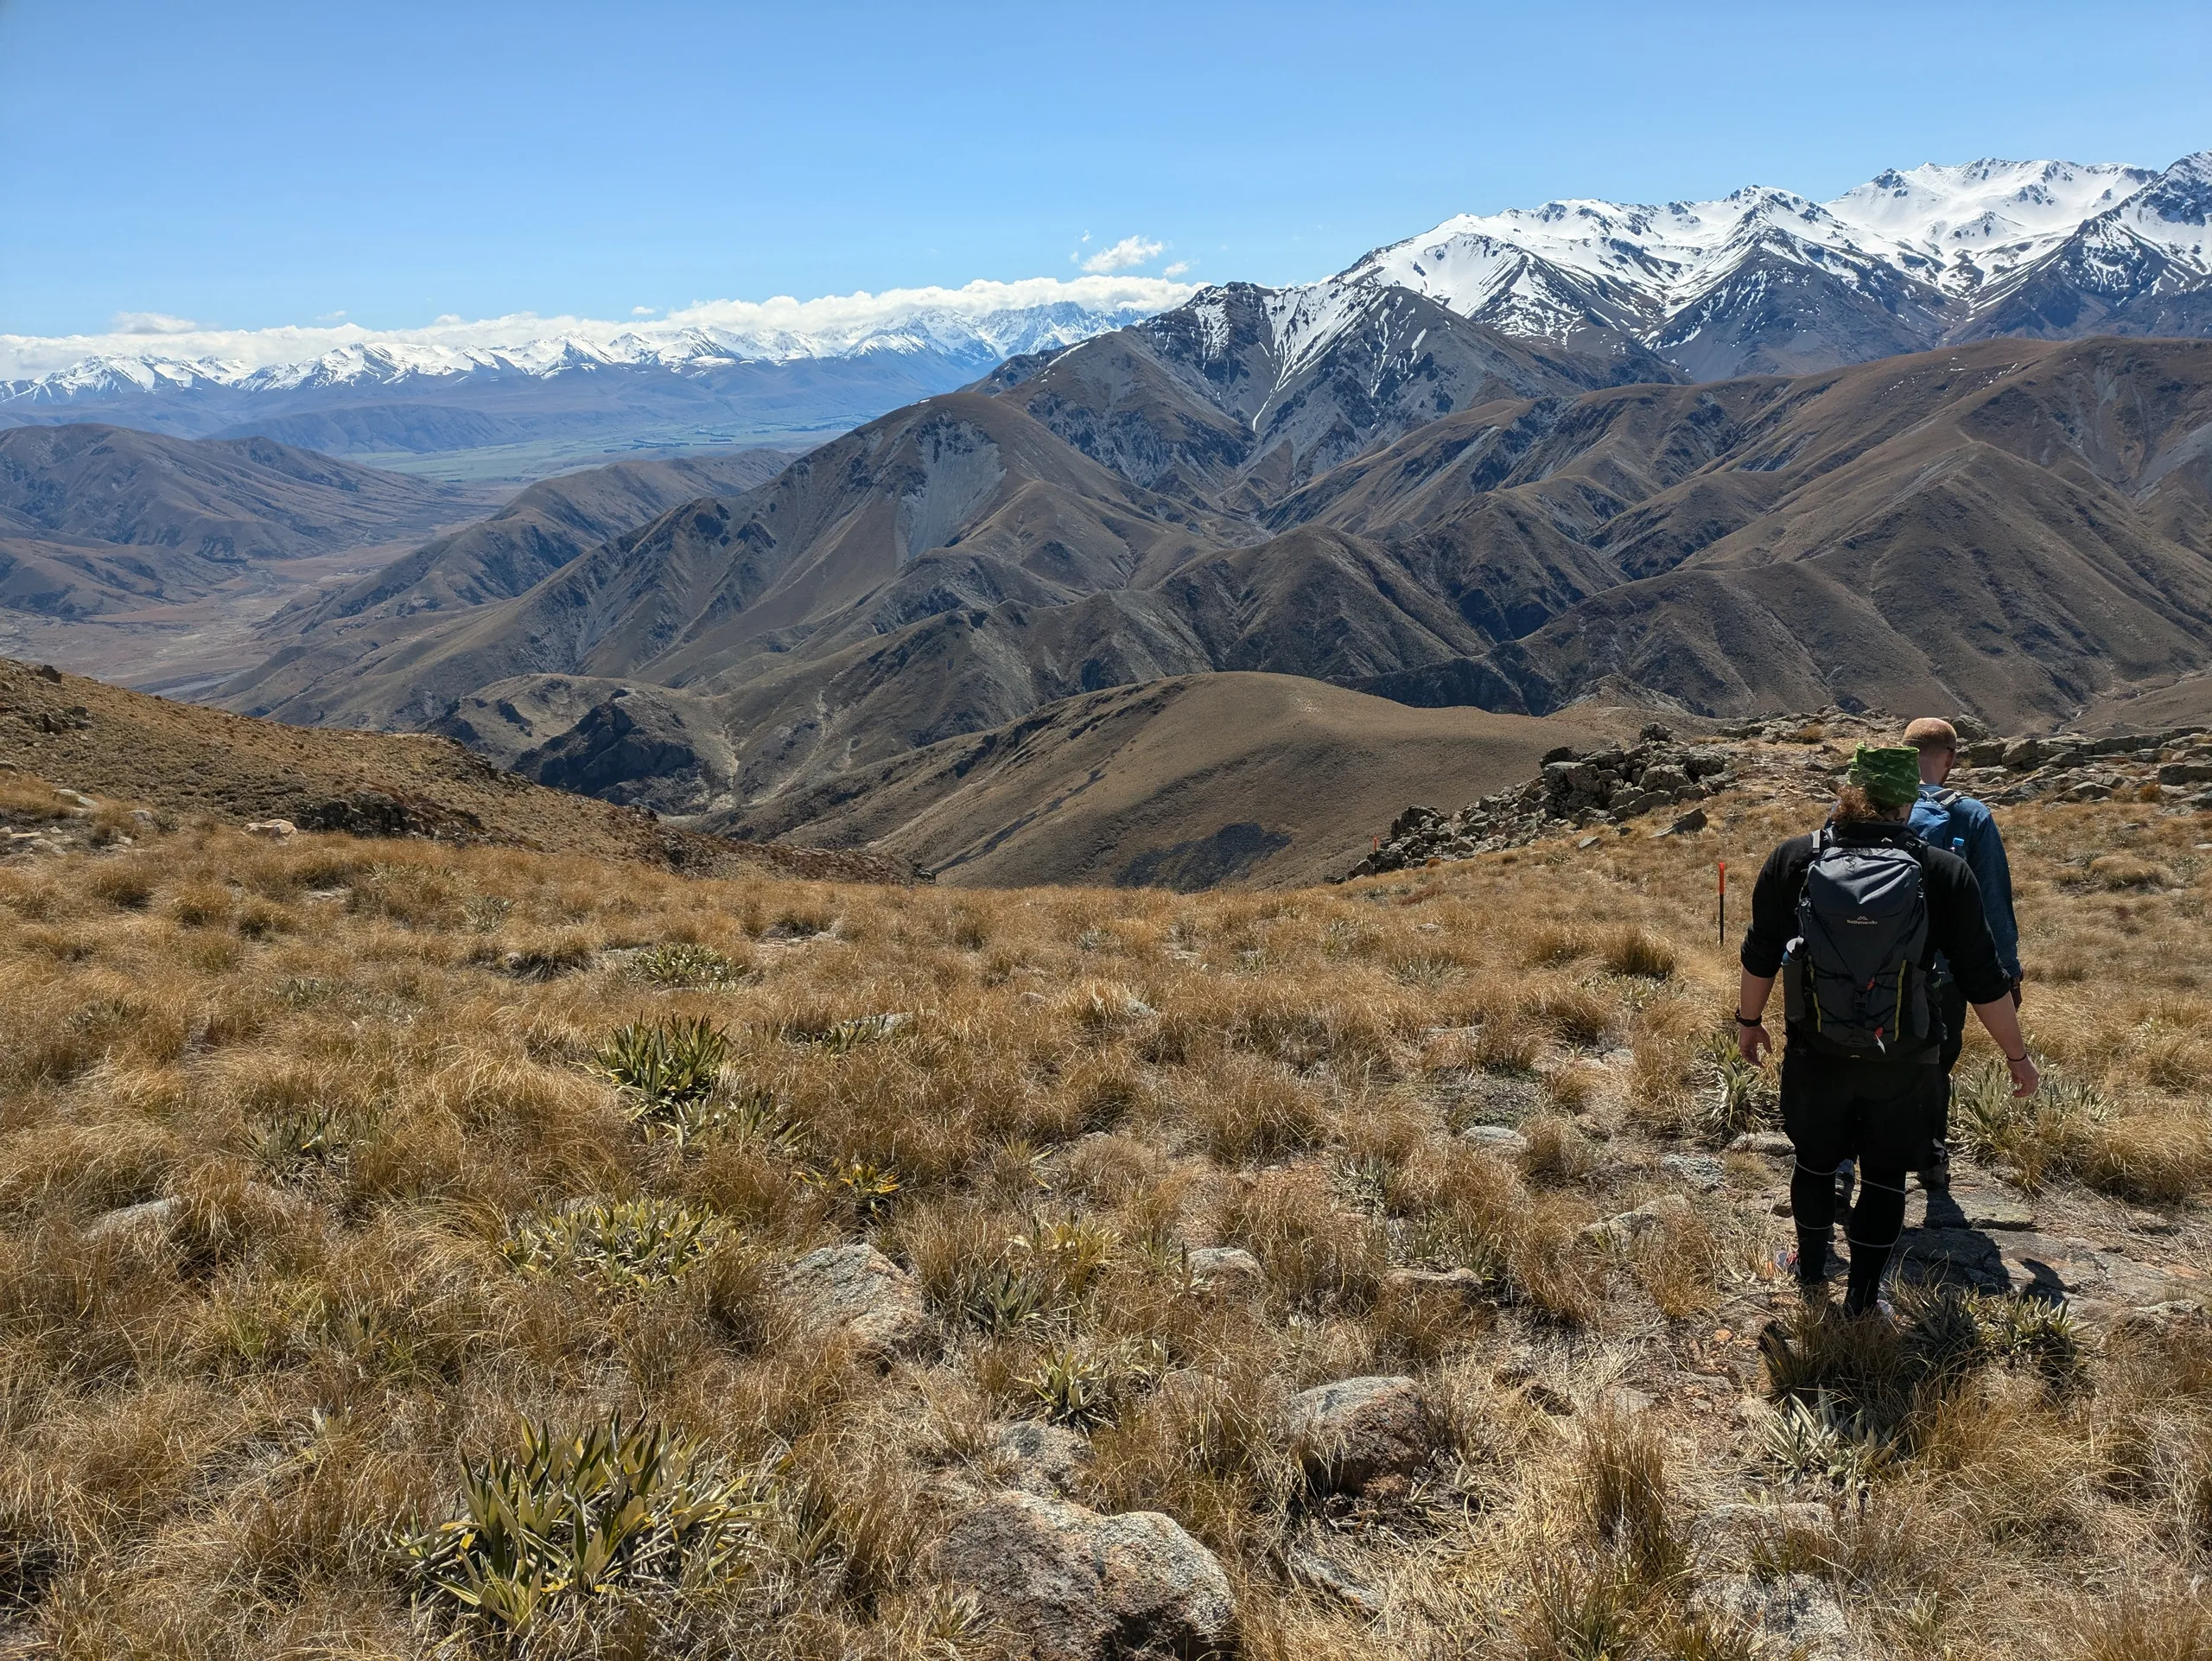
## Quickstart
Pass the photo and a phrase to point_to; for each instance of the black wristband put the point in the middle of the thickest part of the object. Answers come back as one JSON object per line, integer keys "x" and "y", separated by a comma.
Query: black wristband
{"x": 2014, "y": 1060}
{"x": 1743, "y": 1021}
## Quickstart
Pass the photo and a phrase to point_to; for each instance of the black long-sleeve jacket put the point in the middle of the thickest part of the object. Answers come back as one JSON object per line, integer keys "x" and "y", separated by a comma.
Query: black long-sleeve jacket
{"x": 1957, "y": 927}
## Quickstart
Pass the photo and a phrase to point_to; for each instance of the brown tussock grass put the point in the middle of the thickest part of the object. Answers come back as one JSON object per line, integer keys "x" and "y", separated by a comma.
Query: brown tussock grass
{"x": 353, "y": 1067}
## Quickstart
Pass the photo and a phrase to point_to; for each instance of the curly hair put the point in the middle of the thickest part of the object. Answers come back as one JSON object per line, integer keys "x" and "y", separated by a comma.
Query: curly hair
{"x": 1852, "y": 802}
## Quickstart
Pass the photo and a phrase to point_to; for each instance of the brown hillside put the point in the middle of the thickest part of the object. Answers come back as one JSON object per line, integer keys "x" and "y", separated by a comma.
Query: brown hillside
{"x": 184, "y": 761}
{"x": 1179, "y": 784}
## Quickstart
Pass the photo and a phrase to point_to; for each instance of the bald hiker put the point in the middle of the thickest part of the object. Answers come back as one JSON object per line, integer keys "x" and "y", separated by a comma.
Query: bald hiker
{"x": 1944, "y": 818}
{"x": 1854, "y": 920}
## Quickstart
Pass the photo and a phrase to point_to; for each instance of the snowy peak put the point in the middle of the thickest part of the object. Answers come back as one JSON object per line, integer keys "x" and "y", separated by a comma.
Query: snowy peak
{"x": 1765, "y": 280}
{"x": 1977, "y": 221}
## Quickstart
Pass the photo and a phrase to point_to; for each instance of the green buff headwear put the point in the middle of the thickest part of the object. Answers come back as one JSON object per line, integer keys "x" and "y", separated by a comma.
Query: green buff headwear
{"x": 1890, "y": 777}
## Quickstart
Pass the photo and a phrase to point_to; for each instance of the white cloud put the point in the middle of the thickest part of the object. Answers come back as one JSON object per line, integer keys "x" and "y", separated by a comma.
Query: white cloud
{"x": 1176, "y": 270}
{"x": 644, "y": 311}
{"x": 151, "y": 322}
{"x": 332, "y": 317}
{"x": 839, "y": 319}
{"x": 1128, "y": 252}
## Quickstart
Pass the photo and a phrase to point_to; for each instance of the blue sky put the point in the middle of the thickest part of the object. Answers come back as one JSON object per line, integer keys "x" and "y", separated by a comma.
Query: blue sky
{"x": 246, "y": 164}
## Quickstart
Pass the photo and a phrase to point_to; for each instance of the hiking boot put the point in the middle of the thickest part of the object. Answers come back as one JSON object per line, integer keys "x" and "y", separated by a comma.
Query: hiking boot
{"x": 1814, "y": 1287}
{"x": 1935, "y": 1175}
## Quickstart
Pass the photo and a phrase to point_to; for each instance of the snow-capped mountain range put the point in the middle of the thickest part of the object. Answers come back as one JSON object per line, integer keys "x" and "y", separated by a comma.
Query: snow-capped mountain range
{"x": 1760, "y": 281}
{"x": 1765, "y": 279}
{"x": 979, "y": 341}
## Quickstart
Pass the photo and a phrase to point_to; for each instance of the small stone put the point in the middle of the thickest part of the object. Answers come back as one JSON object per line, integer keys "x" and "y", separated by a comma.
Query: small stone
{"x": 1226, "y": 1269}
{"x": 1630, "y": 1226}
{"x": 1075, "y": 1585}
{"x": 275, "y": 830}
{"x": 1772, "y": 1143}
{"x": 1309, "y": 1568}
{"x": 1693, "y": 821}
{"x": 1701, "y": 1171}
{"x": 859, "y": 1289}
{"x": 1498, "y": 1138}
{"x": 1357, "y": 1432}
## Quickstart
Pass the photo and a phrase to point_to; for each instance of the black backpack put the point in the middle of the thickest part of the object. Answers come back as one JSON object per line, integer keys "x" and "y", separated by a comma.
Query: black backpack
{"x": 1852, "y": 980}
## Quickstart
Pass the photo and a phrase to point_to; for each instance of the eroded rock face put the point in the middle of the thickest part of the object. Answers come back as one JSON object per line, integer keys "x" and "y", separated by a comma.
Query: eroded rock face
{"x": 1359, "y": 1432}
{"x": 857, "y": 1289}
{"x": 1075, "y": 1585}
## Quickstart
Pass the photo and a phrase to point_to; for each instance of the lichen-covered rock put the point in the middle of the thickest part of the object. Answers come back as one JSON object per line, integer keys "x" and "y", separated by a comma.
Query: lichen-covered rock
{"x": 1357, "y": 1432}
{"x": 857, "y": 1289}
{"x": 1797, "y": 1614}
{"x": 1075, "y": 1585}
{"x": 1042, "y": 1459}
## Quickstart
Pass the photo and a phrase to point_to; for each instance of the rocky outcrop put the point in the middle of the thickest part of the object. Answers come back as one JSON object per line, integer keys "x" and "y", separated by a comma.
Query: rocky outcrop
{"x": 1357, "y": 1433}
{"x": 1577, "y": 788}
{"x": 858, "y": 1289}
{"x": 1658, "y": 779}
{"x": 1073, "y": 1585}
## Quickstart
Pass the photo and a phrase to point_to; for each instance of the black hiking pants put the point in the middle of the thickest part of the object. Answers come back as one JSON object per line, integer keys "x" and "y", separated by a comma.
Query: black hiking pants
{"x": 1875, "y": 1112}
{"x": 1951, "y": 1010}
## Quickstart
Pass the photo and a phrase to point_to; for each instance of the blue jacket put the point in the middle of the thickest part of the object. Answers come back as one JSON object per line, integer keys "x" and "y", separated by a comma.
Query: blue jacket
{"x": 1965, "y": 828}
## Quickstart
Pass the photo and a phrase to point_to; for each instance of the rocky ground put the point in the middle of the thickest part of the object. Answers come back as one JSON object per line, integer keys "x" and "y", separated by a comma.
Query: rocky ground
{"x": 1657, "y": 784}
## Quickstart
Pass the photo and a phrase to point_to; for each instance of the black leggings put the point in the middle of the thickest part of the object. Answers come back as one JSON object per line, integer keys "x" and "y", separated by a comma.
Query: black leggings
{"x": 1876, "y": 1222}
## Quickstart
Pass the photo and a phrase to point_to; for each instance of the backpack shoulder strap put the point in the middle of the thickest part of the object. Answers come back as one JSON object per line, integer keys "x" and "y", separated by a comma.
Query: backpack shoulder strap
{"x": 1947, "y": 799}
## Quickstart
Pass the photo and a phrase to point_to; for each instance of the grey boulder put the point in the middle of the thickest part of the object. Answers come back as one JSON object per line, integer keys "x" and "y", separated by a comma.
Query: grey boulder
{"x": 1358, "y": 1432}
{"x": 858, "y": 1289}
{"x": 1074, "y": 1585}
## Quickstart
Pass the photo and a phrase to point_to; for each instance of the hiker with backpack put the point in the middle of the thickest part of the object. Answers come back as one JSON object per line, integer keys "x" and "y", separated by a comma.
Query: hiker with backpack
{"x": 1853, "y": 919}
{"x": 1944, "y": 818}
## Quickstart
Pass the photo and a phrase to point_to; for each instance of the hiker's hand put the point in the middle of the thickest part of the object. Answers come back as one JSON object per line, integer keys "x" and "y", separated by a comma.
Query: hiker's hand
{"x": 2026, "y": 1078}
{"x": 1752, "y": 1042}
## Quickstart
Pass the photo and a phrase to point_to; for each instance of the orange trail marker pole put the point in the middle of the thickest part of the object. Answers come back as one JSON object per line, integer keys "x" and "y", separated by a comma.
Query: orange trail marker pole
{"x": 1724, "y": 903}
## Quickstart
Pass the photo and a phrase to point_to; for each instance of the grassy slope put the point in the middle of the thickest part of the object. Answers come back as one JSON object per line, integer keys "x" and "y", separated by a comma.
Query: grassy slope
{"x": 186, "y": 760}
{"x": 323, "y": 1051}
{"x": 1147, "y": 781}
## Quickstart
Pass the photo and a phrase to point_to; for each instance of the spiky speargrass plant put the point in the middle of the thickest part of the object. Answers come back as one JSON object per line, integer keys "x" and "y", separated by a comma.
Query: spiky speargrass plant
{"x": 1072, "y": 1387}
{"x": 629, "y": 1243}
{"x": 681, "y": 963}
{"x": 1741, "y": 1096}
{"x": 612, "y": 1507}
{"x": 673, "y": 1060}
